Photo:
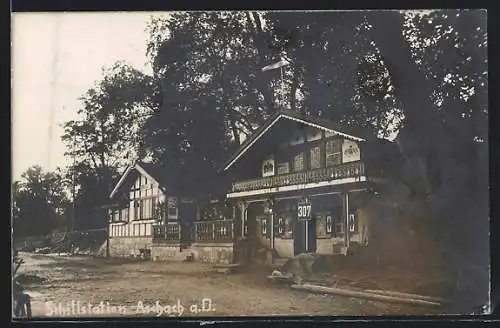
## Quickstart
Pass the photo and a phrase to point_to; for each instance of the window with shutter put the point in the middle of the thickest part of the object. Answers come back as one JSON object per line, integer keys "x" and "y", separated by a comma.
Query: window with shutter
{"x": 280, "y": 225}
{"x": 298, "y": 162}
{"x": 321, "y": 228}
{"x": 329, "y": 224}
{"x": 315, "y": 158}
{"x": 338, "y": 226}
{"x": 333, "y": 151}
{"x": 283, "y": 168}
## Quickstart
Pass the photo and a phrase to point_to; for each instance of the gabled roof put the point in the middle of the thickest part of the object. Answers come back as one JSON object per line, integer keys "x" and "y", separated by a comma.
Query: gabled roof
{"x": 150, "y": 170}
{"x": 316, "y": 122}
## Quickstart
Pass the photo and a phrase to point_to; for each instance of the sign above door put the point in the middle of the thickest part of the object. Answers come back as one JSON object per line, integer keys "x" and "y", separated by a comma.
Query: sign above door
{"x": 304, "y": 209}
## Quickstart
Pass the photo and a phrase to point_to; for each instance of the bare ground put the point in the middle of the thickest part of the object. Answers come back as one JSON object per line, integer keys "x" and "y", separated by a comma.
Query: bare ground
{"x": 123, "y": 282}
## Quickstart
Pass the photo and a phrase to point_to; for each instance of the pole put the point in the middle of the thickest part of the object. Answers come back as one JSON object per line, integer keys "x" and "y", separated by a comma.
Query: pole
{"x": 306, "y": 228}
{"x": 271, "y": 228}
{"x": 347, "y": 234}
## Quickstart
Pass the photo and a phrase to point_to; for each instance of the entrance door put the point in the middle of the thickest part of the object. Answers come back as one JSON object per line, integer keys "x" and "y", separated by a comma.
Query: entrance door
{"x": 304, "y": 236}
{"x": 299, "y": 242}
{"x": 187, "y": 215}
{"x": 311, "y": 235}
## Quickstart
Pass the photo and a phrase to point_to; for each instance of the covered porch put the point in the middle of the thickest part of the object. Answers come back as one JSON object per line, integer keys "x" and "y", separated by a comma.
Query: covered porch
{"x": 321, "y": 220}
{"x": 208, "y": 237}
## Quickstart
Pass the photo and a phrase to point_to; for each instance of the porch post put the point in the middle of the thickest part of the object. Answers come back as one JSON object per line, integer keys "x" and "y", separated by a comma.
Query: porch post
{"x": 107, "y": 238}
{"x": 271, "y": 228}
{"x": 347, "y": 237}
{"x": 243, "y": 216}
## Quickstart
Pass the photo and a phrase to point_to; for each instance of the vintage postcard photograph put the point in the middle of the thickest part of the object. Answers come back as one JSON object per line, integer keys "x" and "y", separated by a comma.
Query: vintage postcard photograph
{"x": 250, "y": 163}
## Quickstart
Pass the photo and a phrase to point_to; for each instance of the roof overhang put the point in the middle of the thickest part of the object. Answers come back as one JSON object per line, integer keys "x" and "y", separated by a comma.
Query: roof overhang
{"x": 299, "y": 187}
{"x": 137, "y": 167}
{"x": 279, "y": 117}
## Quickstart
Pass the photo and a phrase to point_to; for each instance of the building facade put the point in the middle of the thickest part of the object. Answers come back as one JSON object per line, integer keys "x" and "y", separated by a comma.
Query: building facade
{"x": 301, "y": 184}
{"x": 298, "y": 184}
{"x": 140, "y": 203}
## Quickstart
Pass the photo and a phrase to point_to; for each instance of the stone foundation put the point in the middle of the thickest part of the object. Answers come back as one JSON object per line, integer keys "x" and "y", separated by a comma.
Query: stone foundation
{"x": 168, "y": 252}
{"x": 214, "y": 253}
{"x": 128, "y": 246}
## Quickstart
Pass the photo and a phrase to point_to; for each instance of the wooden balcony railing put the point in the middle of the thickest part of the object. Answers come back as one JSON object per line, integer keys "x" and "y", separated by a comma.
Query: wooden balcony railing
{"x": 167, "y": 233}
{"x": 347, "y": 170}
{"x": 214, "y": 231}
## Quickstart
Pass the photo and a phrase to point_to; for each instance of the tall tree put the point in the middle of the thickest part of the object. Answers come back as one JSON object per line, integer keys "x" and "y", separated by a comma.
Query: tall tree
{"x": 336, "y": 69}
{"x": 39, "y": 202}
{"x": 213, "y": 90}
{"x": 108, "y": 135}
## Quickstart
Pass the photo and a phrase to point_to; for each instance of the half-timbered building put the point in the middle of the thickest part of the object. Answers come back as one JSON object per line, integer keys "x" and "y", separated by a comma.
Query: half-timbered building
{"x": 144, "y": 210}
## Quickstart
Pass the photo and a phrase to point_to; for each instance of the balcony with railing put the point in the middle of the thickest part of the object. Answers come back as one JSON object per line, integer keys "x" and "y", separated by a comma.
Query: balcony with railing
{"x": 347, "y": 170}
{"x": 218, "y": 231}
{"x": 169, "y": 233}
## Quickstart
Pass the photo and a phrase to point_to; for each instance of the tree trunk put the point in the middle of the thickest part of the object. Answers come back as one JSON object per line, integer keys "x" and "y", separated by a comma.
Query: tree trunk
{"x": 293, "y": 89}
{"x": 261, "y": 45}
{"x": 422, "y": 131}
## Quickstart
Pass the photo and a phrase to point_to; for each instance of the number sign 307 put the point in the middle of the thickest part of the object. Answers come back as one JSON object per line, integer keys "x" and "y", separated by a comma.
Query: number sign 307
{"x": 304, "y": 211}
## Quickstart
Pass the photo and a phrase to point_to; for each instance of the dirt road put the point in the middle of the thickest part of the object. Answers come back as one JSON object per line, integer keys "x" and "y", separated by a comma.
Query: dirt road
{"x": 64, "y": 287}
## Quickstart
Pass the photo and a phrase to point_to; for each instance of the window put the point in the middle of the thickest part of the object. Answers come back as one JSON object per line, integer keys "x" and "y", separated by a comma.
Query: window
{"x": 142, "y": 207}
{"x": 124, "y": 214}
{"x": 154, "y": 214}
{"x": 333, "y": 152}
{"x": 268, "y": 167}
{"x": 245, "y": 225}
{"x": 172, "y": 213}
{"x": 116, "y": 216}
{"x": 283, "y": 168}
{"x": 321, "y": 230}
{"x": 283, "y": 227}
{"x": 329, "y": 224}
{"x": 352, "y": 223}
{"x": 337, "y": 225}
{"x": 263, "y": 226}
{"x": 315, "y": 158}
{"x": 298, "y": 162}
{"x": 136, "y": 210}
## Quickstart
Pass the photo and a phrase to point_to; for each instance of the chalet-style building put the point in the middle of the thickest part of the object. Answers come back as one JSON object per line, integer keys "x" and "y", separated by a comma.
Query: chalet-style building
{"x": 298, "y": 184}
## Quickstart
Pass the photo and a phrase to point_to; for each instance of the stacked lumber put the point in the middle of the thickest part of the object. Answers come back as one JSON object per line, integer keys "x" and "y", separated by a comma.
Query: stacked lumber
{"x": 378, "y": 295}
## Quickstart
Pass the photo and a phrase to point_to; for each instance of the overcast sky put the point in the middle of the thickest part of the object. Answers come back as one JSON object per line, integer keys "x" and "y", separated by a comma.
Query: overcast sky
{"x": 56, "y": 57}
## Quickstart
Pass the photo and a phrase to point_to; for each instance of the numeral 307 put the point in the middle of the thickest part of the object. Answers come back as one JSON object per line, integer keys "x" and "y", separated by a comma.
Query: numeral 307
{"x": 304, "y": 211}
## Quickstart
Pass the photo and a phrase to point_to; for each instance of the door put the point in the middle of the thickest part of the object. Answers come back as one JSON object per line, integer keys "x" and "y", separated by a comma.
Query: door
{"x": 299, "y": 242}
{"x": 311, "y": 235}
{"x": 187, "y": 215}
{"x": 304, "y": 236}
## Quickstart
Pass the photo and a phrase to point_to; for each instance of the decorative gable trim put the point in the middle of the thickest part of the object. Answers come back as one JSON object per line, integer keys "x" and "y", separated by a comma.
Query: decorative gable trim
{"x": 137, "y": 167}
{"x": 258, "y": 135}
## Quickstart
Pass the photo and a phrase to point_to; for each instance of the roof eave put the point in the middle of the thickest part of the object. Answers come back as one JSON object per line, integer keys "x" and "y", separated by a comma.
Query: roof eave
{"x": 258, "y": 134}
{"x": 141, "y": 170}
